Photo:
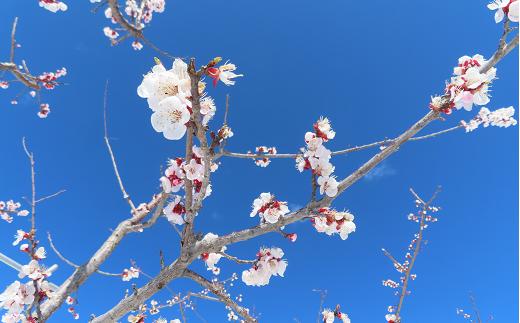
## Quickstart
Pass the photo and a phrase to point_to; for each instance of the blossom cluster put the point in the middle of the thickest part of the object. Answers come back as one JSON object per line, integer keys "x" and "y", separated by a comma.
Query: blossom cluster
{"x": 154, "y": 308}
{"x": 139, "y": 12}
{"x": 268, "y": 263}
{"x": 330, "y": 221}
{"x": 18, "y": 296}
{"x": 47, "y": 80}
{"x": 466, "y": 316}
{"x": 11, "y": 207}
{"x": 317, "y": 158}
{"x": 174, "y": 179}
{"x": 329, "y": 316}
{"x": 502, "y": 118}
{"x": 168, "y": 93}
{"x": 504, "y": 8}
{"x": 268, "y": 208}
{"x": 53, "y": 5}
{"x": 131, "y": 273}
{"x": 71, "y": 309}
{"x": 263, "y": 150}
{"x": 390, "y": 283}
{"x": 467, "y": 87}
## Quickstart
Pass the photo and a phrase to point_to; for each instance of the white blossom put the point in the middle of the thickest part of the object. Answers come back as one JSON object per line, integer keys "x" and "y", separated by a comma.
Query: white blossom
{"x": 269, "y": 263}
{"x": 269, "y": 208}
{"x": 170, "y": 118}
{"x": 504, "y": 7}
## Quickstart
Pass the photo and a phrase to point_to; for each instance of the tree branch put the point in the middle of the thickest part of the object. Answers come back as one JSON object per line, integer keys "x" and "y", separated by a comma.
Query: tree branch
{"x": 337, "y": 152}
{"x": 70, "y": 263}
{"x": 425, "y": 206}
{"x": 221, "y": 294}
{"x": 112, "y": 157}
{"x": 176, "y": 269}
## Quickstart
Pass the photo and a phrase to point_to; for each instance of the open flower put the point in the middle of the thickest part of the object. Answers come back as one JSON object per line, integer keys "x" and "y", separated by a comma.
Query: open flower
{"x": 269, "y": 263}
{"x": 323, "y": 129}
{"x": 211, "y": 259}
{"x": 223, "y": 73}
{"x": 160, "y": 84}
{"x": 194, "y": 170}
{"x": 502, "y": 118}
{"x": 53, "y": 5}
{"x": 207, "y": 109}
{"x": 33, "y": 271}
{"x": 110, "y": 33}
{"x": 391, "y": 318}
{"x": 330, "y": 221}
{"x": 129, "y": 274}
{"x": 175, "y": 210}
{"x": 173, "y": 178}
{"x": 504, "y": 7}
{"x": 269, "y": 209}
{"x": 328, "y": 185}
{"x": 170, "y": 118}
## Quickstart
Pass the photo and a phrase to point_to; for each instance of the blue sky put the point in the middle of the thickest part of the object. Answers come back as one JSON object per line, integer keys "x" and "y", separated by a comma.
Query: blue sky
{"x": 369, "y": 67}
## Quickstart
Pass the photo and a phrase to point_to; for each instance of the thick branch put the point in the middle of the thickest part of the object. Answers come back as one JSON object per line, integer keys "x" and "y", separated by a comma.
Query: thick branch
{"x": 70, "y": 263}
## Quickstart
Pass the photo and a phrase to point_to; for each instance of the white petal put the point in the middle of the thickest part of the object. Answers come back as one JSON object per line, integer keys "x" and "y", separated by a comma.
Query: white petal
{"x": 174, "y": 132}
{"x": 513, "y": 11}
{"x": 158, "y": 121}
{"x": 499, "y": 15}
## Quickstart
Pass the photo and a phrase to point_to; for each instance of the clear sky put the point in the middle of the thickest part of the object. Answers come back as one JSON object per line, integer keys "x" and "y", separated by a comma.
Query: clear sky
{"x": 368, "y": 66}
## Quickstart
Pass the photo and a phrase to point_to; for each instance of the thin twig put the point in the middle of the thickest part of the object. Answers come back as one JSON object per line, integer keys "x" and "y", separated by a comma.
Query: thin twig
{"x": 474, "y": 304}
{"x": 425, "y": 206}
{"x": 50, "y": 196}
{"x": 337, "y": 152}
{"x": 323, "y": 295}
{"x": 13, "y": 40}
{"x": 218, "y": 291}
{"x": 396, "y": 263}
{"x": 227, "y": 110}
{"x": 235, "y": 259}
{"x": 34, "y": 242}
{"x": 109, "y": 147}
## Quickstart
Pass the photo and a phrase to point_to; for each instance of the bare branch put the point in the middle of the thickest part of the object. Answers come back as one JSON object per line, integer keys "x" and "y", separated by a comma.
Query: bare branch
{"x": 112, "y": 157}
{"x": 337, "y": 152}
{"x": 49, "y": 196}
{"x": 417, "y": 248}
{"x": 227, "y": 109}
{"x": 13, "y": 40}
